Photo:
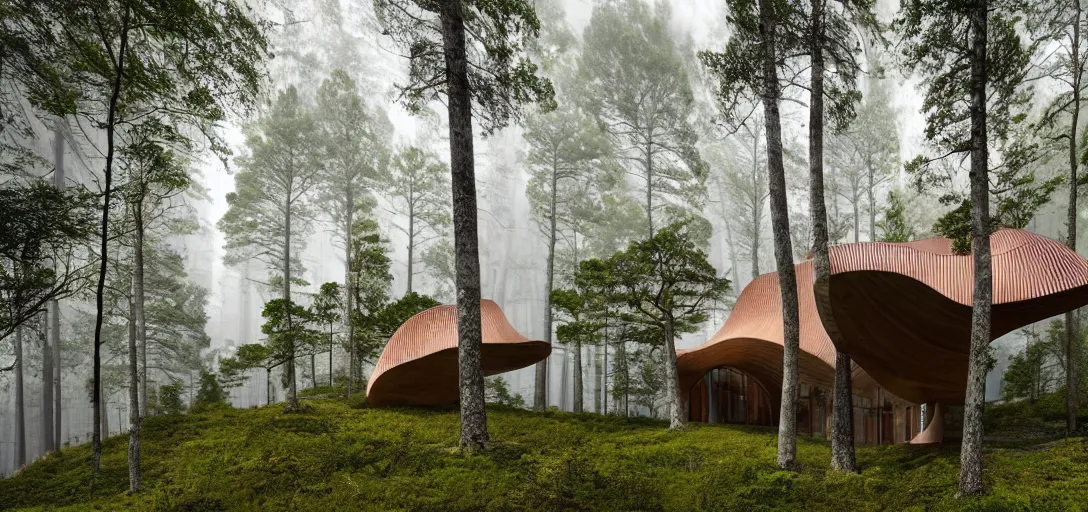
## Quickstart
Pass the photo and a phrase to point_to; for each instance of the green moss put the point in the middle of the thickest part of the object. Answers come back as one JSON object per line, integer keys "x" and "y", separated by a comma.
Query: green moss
{"x": 339, "y": 458}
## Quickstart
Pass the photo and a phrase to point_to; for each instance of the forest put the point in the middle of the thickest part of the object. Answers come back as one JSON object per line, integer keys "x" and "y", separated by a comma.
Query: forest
{"x": 219, "y": 212}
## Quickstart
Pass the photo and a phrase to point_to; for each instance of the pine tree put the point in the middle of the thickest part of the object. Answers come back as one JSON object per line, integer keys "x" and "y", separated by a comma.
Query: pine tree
{"x": 469, "y": 52}
{"x": 565, "y": 149}
{"x": 634, "y": 81}
{"x": 355, "y": 154}
{"x": 748, "y": 68}
{"x": 270, "y": 210}
{"x": 973, "y": 64}
{"x": 417, "y": 185}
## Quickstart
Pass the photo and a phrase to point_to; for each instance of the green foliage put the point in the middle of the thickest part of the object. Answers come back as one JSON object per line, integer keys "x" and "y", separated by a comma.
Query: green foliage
{"x": 666, "y": 281}
{"x": 500, "y": 76}
{"x": 232, "y": 370}
{"x": 497, "y": 391}
{"x": 337, "y": 457}
{"x": 368, "y": 282}
{"x": 895, "y": 227}
{"x": 290, "y": 332}
{"x": 1041, "y": 365}
{"x": 635, "y": 83}
{"x": 167, "y": 400}
{"x": 354, "y": 149}
{"x": 328, "y": 304}
{"x": 417, "y": 185}
{"x": 210, "y": 394}
{"x": 281, "y": 168}
{"x": 933, "y": 33}
{"x": 42, "y": 226}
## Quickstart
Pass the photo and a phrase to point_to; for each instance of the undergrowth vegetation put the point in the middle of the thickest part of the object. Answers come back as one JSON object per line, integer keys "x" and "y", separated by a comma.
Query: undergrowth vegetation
{"x": 1043, "y": 418}
{"x": 336, "y": 457}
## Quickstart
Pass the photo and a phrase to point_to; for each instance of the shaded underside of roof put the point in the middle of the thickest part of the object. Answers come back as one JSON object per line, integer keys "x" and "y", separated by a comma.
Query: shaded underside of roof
{"x": 419, "y": 364}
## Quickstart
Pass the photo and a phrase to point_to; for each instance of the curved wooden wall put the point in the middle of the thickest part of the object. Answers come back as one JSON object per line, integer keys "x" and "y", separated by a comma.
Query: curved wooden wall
{"x": 419, "y": 364}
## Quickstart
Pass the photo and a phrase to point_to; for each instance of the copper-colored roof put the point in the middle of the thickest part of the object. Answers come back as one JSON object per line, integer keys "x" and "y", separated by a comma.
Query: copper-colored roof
{"x": 751, "y": 339}
{"x": 901, "y": 310}
{"x": 419, "y": 364}
{"x": 904, "y": 309}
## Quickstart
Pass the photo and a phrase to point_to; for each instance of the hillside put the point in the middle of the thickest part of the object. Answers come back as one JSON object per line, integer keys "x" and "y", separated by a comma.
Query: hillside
{"x": 341, "y": 458}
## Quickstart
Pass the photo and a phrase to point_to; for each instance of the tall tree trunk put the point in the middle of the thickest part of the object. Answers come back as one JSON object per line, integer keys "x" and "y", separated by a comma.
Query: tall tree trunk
{"x": 47, "y": 390}
{"x": 604, "y": 373}
{"x": 971, "y": 450}
{"x": 466, "y": 242}
{"x": 111, "y": 127}
{"x": 672, "y": 385}
{"x": 411, "y": 243}
{"x": 540, "y": 393}
{"x": 105, "y": 420}
{"x": 52, "y": 427}
{"x": 20, "y": 404}
{"x": 757, "y": 204}
{"x": 292, "y": 389}
{"x": 872, "y": 204}
{"x": 133, "y": 391}
{"x": 349, "y": 288}
{"x": 842, "y": 436}
{"x": 139, "y": 299}
{"x": 332, "y": 341}
{"x": 787, "y": 279}
{"x": 313, "y": 368}
{"x": 1071, "y": 221}
{"x": 578, "y": 390}
{"x": 650, "y": 183}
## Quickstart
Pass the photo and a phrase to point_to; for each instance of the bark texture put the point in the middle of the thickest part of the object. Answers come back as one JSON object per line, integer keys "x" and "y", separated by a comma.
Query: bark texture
{"x": 466, "y": 242}
{"x": 842, "y": 435}
{"x": 46, "y": 436}
{"x": 133, "y": 401}
{"x": 971, "y": 450}
{"x": 842, "y": 418}
{"x": 540, "y": 393}
{"x": 111, "y": 128}
{"x": 672, "y": 385}
{"x": 1071, "y": 224}
{"x": 783, "y": 250}
{"x": 289, "y": 367}
{"x": 577, "y": 406}
{"x": 20, "y": 404}
{"x": 54, "y": 305}
{"x": 349, "y": 286}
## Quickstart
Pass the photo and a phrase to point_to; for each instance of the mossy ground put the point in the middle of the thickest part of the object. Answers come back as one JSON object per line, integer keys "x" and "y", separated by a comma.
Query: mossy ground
{"x": 337, "y": 457}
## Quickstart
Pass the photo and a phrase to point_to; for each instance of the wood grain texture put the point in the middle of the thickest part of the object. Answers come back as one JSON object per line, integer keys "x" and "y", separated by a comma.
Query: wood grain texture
{"x": 419, "y": 364}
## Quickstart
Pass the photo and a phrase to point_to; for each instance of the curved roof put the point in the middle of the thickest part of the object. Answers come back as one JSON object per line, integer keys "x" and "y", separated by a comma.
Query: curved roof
{"x": 419, "y": 364}
{"x": 751, "y": 338}
{"x": 903, "y": 310}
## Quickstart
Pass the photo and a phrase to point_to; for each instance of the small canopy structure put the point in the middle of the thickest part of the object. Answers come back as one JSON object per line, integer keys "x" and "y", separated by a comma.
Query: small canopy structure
{"x": 419, "y": 364}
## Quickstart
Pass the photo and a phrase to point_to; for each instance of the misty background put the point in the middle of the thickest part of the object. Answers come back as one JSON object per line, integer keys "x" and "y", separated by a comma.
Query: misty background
{"x": 312, "y": 39}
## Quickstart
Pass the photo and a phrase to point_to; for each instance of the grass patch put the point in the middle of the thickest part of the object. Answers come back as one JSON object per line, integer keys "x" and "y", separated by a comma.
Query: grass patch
{"x": 335, "y": 457}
